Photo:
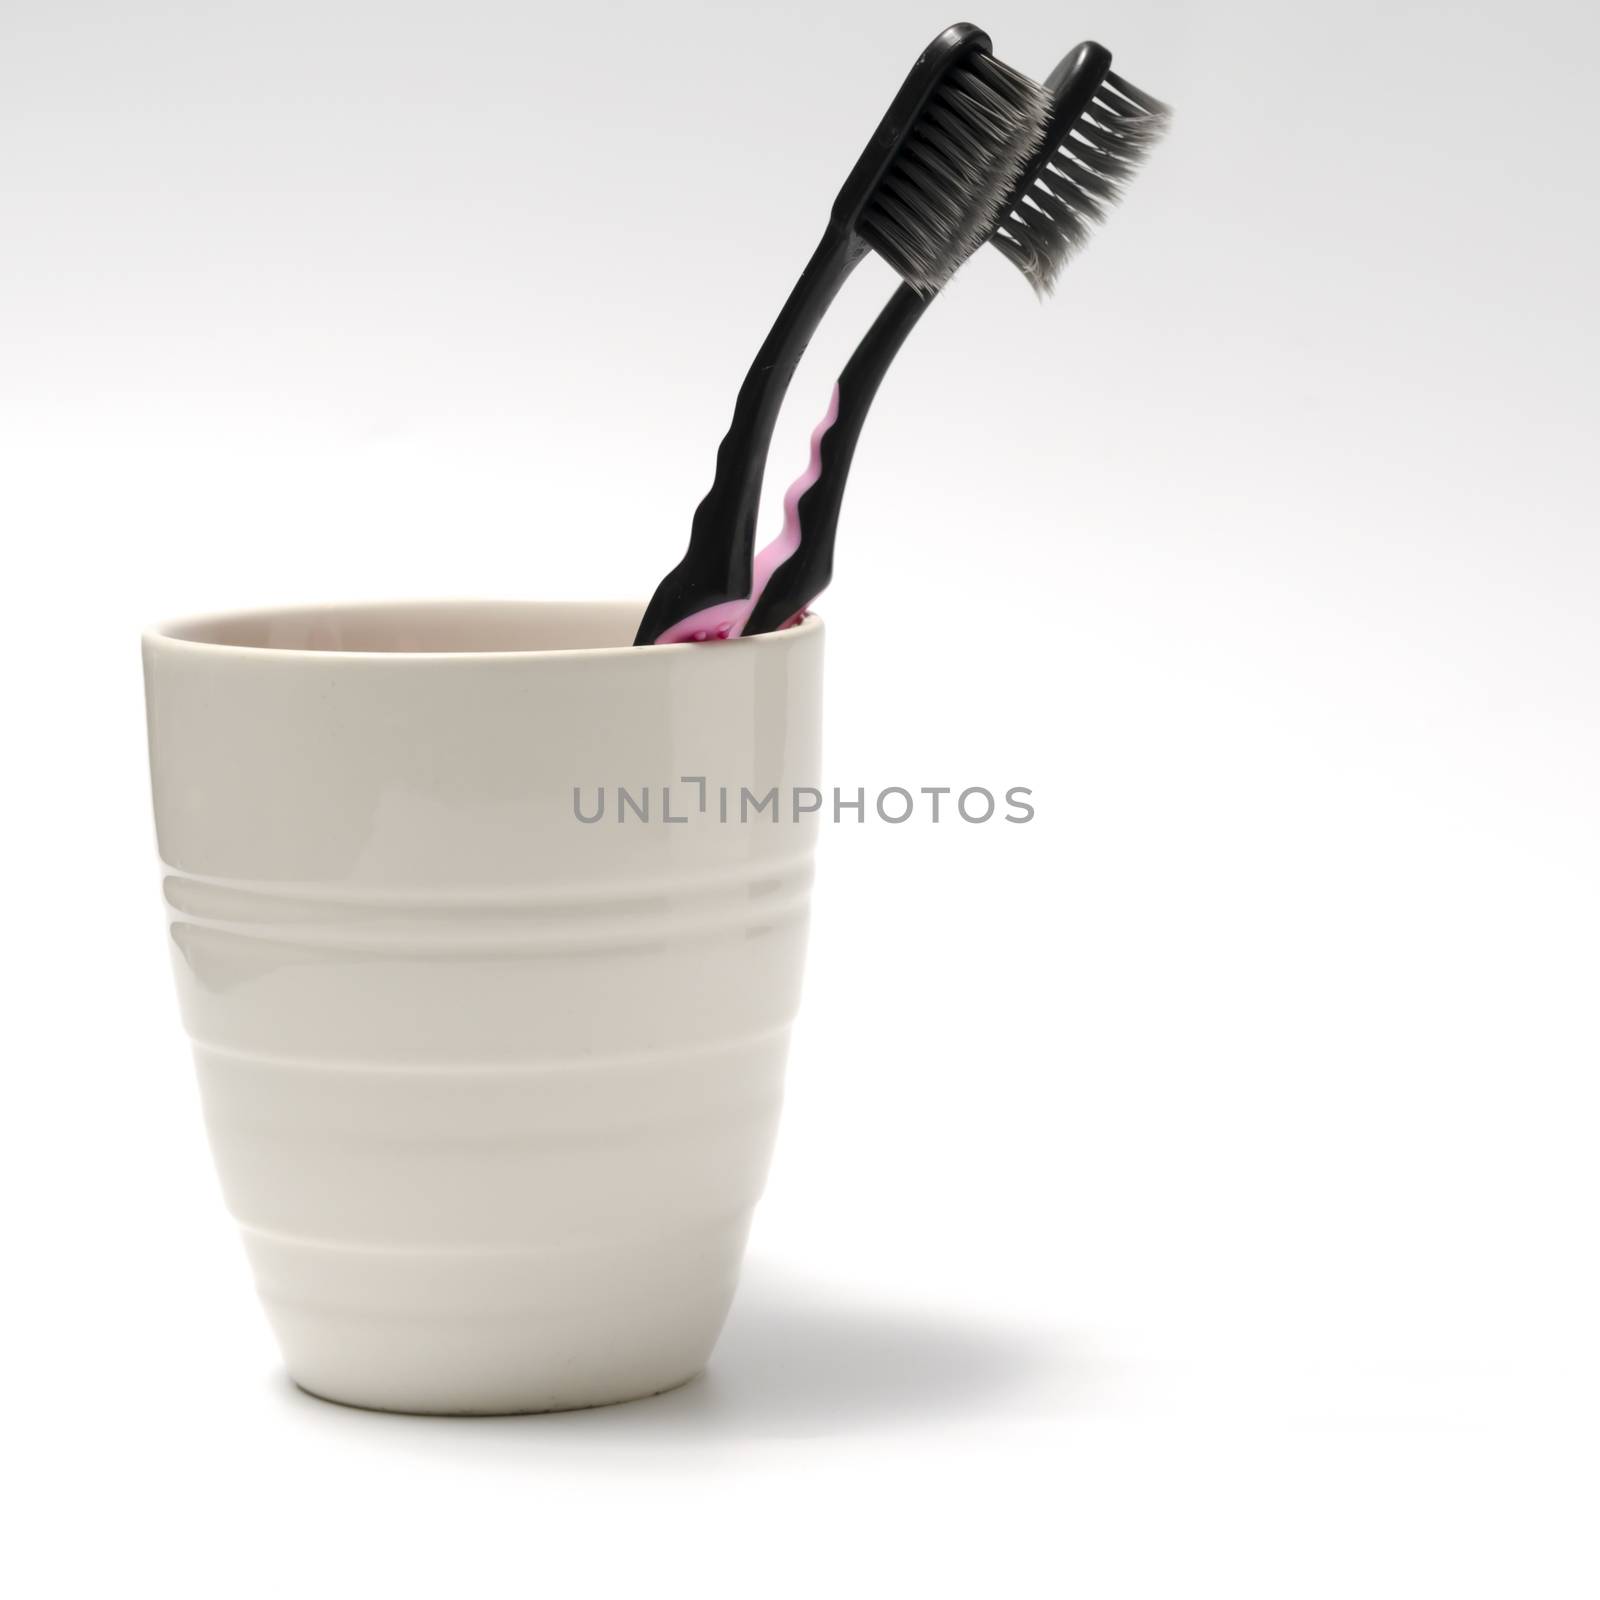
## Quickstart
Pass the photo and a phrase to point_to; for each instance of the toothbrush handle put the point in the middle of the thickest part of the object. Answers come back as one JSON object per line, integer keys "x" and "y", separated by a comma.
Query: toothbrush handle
{"x": 806, "y": 573}
{"x": 717, "y": 565}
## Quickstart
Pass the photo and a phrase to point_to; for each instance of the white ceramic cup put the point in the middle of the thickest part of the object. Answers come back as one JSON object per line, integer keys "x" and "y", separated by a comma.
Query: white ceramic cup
{"x": 491, "y": 1090}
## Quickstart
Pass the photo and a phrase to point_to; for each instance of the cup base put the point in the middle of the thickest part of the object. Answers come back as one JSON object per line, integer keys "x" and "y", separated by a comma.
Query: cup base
{"x": 506, "y": 1410}
{"x": 499, "y": 1332}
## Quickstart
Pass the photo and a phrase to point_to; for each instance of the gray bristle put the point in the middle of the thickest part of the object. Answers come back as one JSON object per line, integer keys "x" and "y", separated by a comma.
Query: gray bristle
{"x": 967, "y": 152}
{"x": 1086, "y": 174}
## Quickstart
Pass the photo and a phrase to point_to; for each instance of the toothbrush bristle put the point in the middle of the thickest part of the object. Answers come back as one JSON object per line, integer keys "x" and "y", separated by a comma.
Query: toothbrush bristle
{"x": 966, "y": 153}
{"x": 1091, "y": 165}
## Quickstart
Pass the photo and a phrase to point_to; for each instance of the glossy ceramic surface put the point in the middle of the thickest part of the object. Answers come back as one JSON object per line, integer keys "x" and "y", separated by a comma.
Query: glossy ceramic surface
{"x": 491, "y": 1090}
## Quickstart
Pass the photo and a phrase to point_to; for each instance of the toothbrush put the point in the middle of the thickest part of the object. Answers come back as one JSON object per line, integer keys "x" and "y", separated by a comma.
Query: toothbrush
{"x": 1100, "y": 128}
{"x": 925, "y": 193}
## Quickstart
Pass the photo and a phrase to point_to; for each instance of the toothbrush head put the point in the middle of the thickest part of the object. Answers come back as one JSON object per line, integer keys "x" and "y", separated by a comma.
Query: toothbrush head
{"x": 954, "y": 146}
{"x": 1100, "y": 130}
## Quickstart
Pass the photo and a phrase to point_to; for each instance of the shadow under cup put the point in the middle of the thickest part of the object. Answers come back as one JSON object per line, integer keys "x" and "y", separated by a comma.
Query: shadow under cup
{"x": 491, "y": 1088}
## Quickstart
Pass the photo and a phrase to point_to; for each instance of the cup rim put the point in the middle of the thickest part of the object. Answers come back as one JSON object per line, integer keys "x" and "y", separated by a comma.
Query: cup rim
{"x": 171, "y": 634}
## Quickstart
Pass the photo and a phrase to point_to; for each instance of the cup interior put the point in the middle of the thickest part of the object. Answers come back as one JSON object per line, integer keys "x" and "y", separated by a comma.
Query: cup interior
{"x": 425, "y": 627}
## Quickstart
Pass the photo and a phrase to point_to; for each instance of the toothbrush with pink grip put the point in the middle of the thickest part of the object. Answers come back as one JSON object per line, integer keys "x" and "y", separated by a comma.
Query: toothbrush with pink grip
{"x": 792, "y": 570}
{"x": 1099, "y": 130}
{"x": 727, "y": 620}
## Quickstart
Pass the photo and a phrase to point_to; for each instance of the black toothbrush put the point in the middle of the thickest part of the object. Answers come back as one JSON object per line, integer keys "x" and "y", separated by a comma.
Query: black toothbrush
{"x": 926, "y": 192}
{"x": 1100, "y": 127}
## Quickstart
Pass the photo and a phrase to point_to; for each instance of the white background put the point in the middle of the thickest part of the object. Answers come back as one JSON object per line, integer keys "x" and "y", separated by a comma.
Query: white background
{"x": 1193, "y": 1191}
